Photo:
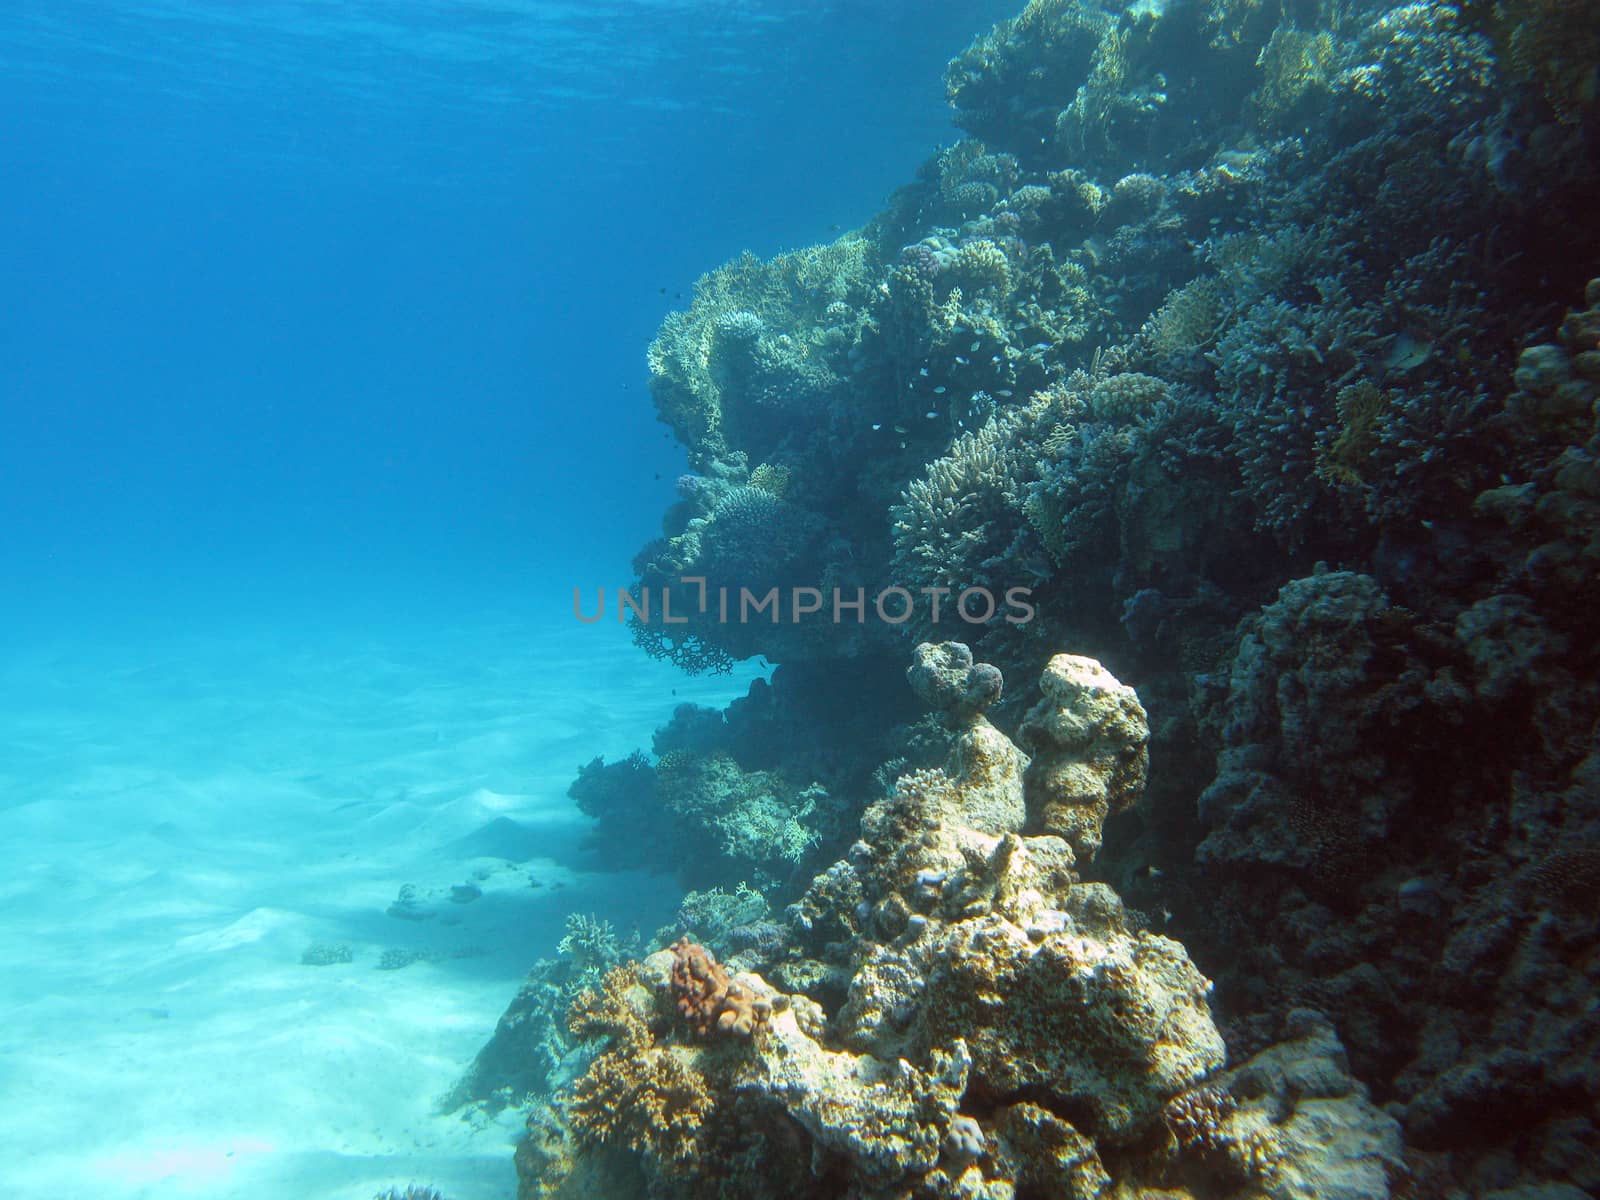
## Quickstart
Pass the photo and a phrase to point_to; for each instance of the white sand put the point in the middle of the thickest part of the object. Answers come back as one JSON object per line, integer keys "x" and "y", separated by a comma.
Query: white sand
{"x": 181, "y": 818}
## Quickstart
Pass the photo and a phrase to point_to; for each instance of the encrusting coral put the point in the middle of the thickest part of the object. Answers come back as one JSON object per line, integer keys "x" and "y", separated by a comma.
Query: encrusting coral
{"x": 1003, "y": 1025}
{"x": 708, "y": 1001}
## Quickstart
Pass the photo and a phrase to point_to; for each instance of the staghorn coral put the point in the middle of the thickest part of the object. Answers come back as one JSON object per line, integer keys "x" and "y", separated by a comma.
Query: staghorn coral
{"x": 957, "y": 527}
{"x": 1272, "y": 364}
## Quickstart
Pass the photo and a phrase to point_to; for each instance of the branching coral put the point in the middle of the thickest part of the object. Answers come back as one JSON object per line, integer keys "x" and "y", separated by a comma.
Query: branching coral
{"x": 654, "y": 1102}
{"x": 757, "y": 337}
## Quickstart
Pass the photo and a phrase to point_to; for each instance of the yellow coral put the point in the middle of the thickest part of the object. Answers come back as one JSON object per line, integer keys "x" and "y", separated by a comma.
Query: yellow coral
{"x": 1187, "y": 320}
{"x": 1344, "y": 462}
{"x": 616, "y": 1012}
{"x": 774, "y": 480}
{"x": 653, "y": 1101}
{"x": 1555, "y": 46}
{"x": 1125, "y": 396}
{"x": 1293, "y": 64}
{"x": 982, "y": 265}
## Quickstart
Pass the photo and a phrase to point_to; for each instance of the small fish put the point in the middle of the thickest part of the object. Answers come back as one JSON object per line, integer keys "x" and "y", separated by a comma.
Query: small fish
{"x": 973, "y": 349}
{"x": 930, "y": 414}
{"x": 877, "y": 427}
{"x": 1006, "y": 392}
{"x": 940, "y": 390}
{"x": 901, "y": 429}
{"x": 923, "y": 372}
{"x": 961, "y": 360}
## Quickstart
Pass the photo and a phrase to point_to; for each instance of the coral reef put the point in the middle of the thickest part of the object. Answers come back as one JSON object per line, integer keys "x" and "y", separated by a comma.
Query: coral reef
{"x": 531, "y": 1053}
{"x": 1232, "y": 335}
{"x": 1002, "y": 1026}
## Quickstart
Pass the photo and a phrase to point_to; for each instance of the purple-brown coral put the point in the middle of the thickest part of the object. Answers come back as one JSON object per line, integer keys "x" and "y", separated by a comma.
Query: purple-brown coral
{"x": 707, "y": 999}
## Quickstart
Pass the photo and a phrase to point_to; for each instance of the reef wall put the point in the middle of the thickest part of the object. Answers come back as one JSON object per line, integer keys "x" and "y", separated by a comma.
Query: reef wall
{"x": 1260, "y": 343}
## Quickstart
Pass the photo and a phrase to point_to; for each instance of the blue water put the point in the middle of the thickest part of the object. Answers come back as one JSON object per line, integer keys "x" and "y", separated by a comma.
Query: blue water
{"x": 343, "y": 295}
{"x": 321, "y": 385}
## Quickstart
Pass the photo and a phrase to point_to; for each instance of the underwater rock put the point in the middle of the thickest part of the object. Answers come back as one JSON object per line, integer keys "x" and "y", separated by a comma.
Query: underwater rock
{"x": 947, "y": 680}
{"x": 1004, "y": 1025}
{"x": 1312, "y": 1125}
{"x": 985, "y": 768}
{"x": 1088, "y": 737}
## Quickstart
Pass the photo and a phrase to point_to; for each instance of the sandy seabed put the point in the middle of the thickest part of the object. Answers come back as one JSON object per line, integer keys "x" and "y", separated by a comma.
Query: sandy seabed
{"x": 183, "y": 817}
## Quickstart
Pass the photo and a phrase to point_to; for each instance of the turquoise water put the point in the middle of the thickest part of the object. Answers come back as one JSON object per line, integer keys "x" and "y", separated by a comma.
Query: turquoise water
{"x": 1226, "y": 374}
{"x": 324, "y": 385}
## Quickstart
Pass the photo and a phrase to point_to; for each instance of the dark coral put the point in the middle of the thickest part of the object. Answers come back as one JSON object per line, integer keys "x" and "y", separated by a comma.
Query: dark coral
{"x": 1238, "y": 340}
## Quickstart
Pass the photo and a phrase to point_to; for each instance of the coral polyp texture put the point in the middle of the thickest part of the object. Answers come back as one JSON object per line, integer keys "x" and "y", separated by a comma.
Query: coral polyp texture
{"x": 1258, "y": 347}
{"x": 994, "y": 1025}
{"x": 708, "y": 1001}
